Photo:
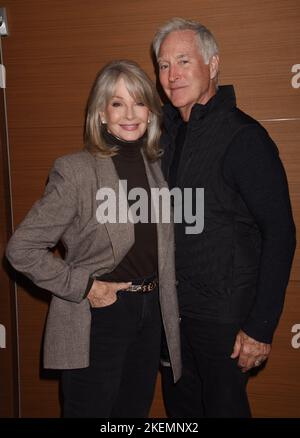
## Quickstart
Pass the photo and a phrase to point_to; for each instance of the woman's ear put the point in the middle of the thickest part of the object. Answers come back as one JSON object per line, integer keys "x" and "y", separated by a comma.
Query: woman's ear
{"x": 102, "y": 117}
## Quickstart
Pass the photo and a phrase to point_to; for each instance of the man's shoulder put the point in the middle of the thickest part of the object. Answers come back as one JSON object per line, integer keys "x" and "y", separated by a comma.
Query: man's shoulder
{"x": 241, "y": 125}
{"x": 238, "y": 118}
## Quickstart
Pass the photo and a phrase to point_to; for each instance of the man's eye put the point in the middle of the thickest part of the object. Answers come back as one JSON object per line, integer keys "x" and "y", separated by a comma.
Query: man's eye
{"x": 163, "y": 66}
{"x": 183, "y": 61}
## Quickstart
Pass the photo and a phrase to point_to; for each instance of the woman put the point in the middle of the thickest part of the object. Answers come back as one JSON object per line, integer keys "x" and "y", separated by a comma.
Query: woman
{"x": 104, "y": 324}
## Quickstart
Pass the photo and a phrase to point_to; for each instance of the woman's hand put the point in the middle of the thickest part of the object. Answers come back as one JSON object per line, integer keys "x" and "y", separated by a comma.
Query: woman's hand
{"x": 104, "y": 293}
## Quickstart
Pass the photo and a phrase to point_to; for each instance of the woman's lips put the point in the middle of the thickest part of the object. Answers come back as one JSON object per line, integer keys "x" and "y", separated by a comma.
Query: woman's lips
{"x": 131, "y": 127}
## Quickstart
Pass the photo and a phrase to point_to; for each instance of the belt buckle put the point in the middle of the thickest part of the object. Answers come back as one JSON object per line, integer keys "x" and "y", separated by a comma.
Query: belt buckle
{"x": 135, "y": 288}
{"x": 143, "y": 287}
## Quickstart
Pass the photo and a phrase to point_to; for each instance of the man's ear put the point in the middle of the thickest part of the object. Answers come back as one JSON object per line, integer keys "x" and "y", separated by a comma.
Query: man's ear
{"x": 214, "y": 66}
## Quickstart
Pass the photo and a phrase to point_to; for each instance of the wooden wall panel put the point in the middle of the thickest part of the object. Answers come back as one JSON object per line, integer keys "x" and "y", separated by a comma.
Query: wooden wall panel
{"x": 8, "y": 334}
{"x": 259, "y": 43}
{"x": 274, "y": 392}
{"x": 52, "y": 56}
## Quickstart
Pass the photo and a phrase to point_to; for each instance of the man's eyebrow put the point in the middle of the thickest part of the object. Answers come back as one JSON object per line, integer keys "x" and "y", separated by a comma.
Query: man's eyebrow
{"x": 182, "y": 55}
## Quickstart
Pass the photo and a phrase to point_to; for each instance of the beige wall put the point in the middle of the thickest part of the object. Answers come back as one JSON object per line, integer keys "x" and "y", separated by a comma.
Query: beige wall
{"x": 52, "y": 55}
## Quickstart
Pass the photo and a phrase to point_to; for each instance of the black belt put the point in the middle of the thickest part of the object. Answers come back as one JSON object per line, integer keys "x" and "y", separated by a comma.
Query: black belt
{"x": 140, "y": 285}
{"x": 143, "y": 287}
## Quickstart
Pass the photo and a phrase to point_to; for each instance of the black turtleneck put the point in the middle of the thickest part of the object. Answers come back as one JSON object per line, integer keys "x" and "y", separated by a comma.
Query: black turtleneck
{"x": 141, "y": 260}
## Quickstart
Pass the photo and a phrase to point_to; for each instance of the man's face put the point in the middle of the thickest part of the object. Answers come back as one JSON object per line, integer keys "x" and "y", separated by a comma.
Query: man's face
{"x": 184, "y": 76}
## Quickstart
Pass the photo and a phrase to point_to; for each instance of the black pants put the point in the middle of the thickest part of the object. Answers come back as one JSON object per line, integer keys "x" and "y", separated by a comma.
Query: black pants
{"x": 212, "y": 385}
{"x": 124, "y": 360}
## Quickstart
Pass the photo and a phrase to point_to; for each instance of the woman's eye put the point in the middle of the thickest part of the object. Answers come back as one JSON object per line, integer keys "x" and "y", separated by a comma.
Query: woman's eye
{"x": 115, "y": 104}
{"x": 140, "y": 103}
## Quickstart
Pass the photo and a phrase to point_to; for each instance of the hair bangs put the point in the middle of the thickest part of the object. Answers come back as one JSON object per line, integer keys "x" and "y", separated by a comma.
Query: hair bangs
{"x": 135, "y": 87}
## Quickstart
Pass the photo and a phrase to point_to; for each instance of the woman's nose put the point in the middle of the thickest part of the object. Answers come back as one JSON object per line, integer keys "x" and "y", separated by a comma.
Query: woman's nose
{"x": 130, "y": 112}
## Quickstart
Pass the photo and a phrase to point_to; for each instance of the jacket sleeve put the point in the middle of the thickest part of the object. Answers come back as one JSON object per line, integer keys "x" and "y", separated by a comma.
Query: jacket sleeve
{"x": 29, "y": 249}
{"x": 255, "y": 170}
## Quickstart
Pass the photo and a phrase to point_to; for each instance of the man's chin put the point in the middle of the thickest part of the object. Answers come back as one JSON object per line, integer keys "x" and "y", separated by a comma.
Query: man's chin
{"x": 178, "y": 103}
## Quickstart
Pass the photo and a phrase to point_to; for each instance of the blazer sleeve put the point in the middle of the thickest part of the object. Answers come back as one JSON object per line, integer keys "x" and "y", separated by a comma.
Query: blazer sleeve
{"x": 28, "y": 249}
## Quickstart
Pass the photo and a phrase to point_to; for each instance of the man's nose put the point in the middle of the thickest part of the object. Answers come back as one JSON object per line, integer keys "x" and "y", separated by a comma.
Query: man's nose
{"x": 173, "y": 74}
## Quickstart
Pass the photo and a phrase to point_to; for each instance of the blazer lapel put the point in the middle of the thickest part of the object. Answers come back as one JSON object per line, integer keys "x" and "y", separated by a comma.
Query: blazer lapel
{"x": 156, "y": 180}
{"x": 120, "y": 234}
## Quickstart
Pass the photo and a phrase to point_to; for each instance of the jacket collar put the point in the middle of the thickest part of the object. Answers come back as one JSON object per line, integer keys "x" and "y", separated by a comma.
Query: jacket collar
{"x": 223, "y": 100}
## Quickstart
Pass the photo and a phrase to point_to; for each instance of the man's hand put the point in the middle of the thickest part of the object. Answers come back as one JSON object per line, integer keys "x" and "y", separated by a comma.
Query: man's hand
{"x": 251, "y": 353}
{"x": 104, "y": 293}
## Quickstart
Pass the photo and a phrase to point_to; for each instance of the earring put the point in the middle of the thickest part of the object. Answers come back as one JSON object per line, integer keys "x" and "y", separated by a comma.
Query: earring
{"x": 149, "y": 120}
{"x": 102, "y": 119}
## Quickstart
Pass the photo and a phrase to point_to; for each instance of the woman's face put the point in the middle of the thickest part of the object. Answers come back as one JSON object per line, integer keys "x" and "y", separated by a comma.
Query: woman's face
{"x": 125, "y": 118}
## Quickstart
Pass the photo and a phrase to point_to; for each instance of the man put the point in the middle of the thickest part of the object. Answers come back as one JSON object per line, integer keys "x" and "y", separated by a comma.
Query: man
{"x": 232, "y": 277}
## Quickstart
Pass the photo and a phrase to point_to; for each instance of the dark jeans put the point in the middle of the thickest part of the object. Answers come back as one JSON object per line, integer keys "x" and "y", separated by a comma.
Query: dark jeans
{"x": 212, "y": 385}
{"x": 124, "y": 360}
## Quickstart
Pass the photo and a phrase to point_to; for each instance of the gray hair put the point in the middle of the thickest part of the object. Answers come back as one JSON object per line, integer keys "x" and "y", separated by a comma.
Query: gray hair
{"x": 140, "y": 87}
{"x": 207, "y": 43}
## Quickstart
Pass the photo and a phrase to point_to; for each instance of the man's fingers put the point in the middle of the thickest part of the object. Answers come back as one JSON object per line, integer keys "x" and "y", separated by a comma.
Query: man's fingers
{"x": 243, "y": 360}
{"x": 236, "y": 348}
{"x": 250, "y": 353}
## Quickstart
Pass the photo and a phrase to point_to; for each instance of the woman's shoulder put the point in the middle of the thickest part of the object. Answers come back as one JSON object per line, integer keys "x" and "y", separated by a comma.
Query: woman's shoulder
{"x": 75, "y": 160}
{"x": 75, "y": 167}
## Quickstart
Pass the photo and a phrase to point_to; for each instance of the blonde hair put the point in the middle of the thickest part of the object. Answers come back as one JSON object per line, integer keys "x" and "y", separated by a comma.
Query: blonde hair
{"x": 140, "y": 87}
